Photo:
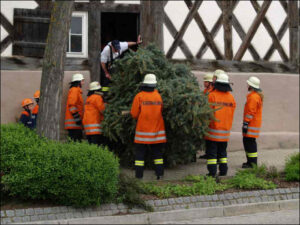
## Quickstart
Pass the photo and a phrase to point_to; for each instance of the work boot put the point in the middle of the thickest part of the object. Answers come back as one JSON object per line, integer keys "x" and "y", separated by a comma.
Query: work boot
{"x": 203, "y": 156}
{"x": 159, "y": 177}
{"x": 222, "y": 174}
{"x": 211, "y": 175}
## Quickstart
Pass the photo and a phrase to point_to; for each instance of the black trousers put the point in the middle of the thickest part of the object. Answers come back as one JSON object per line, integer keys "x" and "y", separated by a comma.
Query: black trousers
{"x": 155, "y": 149}
{"x": 75, "y": 134}
{"x": 216, "y": 151}
{"x": 250, "y": 147}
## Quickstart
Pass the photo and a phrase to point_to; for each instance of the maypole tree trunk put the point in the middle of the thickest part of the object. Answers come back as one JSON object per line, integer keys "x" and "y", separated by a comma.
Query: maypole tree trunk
{"x": 48, "y": 123}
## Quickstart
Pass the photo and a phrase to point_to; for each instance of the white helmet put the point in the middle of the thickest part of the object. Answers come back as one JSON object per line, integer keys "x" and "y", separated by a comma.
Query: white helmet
{"x": 77, "y": 77}
{"x": 150, "y": 80}
{"x": 253, "y": 82}
{"x": 94, "y": 86}
{"x": 223, "y": 78}
{"x": 208, "y": 77}
{"x": 218, "y": 72}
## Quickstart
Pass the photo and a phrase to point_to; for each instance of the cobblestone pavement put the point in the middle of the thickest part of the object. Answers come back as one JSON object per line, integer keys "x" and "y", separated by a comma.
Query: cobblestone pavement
{"x": 274, "y": 157}
{"x": 278, "y": 217}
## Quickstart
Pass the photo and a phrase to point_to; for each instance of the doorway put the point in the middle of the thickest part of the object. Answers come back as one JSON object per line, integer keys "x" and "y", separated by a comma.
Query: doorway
{"x": 119, "y": 26}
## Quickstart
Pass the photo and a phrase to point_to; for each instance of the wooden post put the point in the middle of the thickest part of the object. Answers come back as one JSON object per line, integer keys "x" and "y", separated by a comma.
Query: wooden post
{"x": 152, "y": 18}
{"x": 94, "y": 42}
{"x": 227, "y": 24}
{"x": 293, "y": 13}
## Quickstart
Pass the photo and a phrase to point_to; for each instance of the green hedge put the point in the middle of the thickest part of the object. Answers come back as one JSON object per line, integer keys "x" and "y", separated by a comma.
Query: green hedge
{"x": 292, "y": 168}
{"x": 76, "y": 174}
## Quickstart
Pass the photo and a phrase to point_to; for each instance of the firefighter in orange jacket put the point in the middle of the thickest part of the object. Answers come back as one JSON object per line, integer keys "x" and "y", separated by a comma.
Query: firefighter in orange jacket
{"x": 207, "y": 81}
{"x": 36, "y": 107}
{"x": 252, "y": 121}
{"x": 93, "y": 114}
{"x": 150, "y": 129}
{"x": 26, "y": 117}
{"x": 219, "y": 130}
{"x": 74, "y": 108}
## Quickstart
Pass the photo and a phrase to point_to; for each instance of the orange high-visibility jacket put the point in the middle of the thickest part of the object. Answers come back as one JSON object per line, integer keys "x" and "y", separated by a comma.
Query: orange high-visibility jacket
{"x": 147, "y": 109}
{"x": 253, "y": 114}
{"x": 219, "y": 130}
{"x": 74, "y": 105}
{"x": 207, "y": 90}
{"x": 35, "y": 109}
{"x": 93, "y": 114}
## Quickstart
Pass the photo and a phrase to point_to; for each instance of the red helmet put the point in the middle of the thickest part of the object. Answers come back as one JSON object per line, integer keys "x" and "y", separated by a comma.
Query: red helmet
{"x": 26, "y": 101}
{"x": 37, "y": 94}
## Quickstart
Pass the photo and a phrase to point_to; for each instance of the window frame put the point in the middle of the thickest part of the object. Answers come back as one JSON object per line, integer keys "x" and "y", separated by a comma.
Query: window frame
{"x": 84, "y": 53}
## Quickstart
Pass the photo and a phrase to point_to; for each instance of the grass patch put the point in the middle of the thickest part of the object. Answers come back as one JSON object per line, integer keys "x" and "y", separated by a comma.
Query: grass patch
{"x": 253, "y": 178}
{"x": 194, "y": 185}
{"x": 292, "y": 168}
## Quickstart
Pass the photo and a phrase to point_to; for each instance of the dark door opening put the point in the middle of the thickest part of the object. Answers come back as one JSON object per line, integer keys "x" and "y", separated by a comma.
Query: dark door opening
{"x": 119, "y": 26}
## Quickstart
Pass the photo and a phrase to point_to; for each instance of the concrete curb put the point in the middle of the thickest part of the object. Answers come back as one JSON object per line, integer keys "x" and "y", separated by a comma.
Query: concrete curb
{"x": 184, "y": 214}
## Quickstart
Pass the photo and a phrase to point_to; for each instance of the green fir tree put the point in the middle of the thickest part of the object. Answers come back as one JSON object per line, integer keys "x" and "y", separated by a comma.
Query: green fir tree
{"x": 186, "y": 110}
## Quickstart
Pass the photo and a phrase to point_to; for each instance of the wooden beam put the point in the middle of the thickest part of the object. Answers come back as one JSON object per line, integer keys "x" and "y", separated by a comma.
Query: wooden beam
{"x": 227, "y": 24}
{"x": 284, "y": 5}
{"x": 187, "y": 21}
{"x": 7, "y": 25}
{"x": 29, "y": 19}
{"x": 104, "y": 7}
{"x": 280, "y": 34}
{"x": 5, "y": 43}
{"x": 165, "y": 3}
{"x": 152, "y": 19}
{"x": 207, "y": 36}
{"x": 185, "y": 49}
{"x": 253, "y": 28}
{"x": 271, "y": 32}
{"x": 94, "y": 40}
{"x": 45, "y": 4}
{"x": 293, "y": 13}
{"x": 244, "y": 66}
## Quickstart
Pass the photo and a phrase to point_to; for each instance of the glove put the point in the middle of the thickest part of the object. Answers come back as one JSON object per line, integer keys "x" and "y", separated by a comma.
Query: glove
{"x": 245, "y": 127}
{"x": 77, "y": 118}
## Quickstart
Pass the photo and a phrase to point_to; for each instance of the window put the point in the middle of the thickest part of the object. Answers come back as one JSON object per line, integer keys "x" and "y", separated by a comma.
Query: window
{"x": 78, "y": 36}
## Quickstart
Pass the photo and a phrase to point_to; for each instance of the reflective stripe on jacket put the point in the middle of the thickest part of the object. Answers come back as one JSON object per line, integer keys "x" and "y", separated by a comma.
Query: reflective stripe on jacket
{"x": 253, "y": 114}
{"x": 207, "y": 90}
{"x": 93, "y": 114}
{"x": 147, "y": 109}
{"x": 26, "y": 119}
{"x": 74, "y": 105}
{"x": 219, "y": 130}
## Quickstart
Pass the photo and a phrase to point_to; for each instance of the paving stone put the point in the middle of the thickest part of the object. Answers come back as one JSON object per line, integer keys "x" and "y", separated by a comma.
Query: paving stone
{"x": 213, "y": 204}
{"x": 93, "y": 214}
{"x": 198, "y": 198}
{"x": 232, "y": 201}
{"x": 113, "y": 206}
{"x": 205, "y": 204}
{"x": 26, "y": 219}
{"x": 289, "y": 196}
{"x": 124, "y": 211}
{"x": 228, "y": 196}
{"x": 215, "y": 197}
{"x": 179, "y": 200}
{"x": 135, "y": 210}
{"x": 77, "y": 215}
{"x": 86, "y": 214}
{"x": 277, "y": 197}
{"x": 105, "y": 207}
{"x": 2, "y": 213}
{"x": 165, "y": 208}
{"x": 29, "y": 212}
{"x": 10, "y": 213}
{"x": 240, "y": 201}
{"x": 61, "y": 216}
{"x": 219, "y": 203}
{"x": 282, "y": 191}
{"x": 171, "y": 201}
{"x": 6, "y": 220}
{"x": 270, "y": 192}
{"x": 192, "y": 205}
{"x": 288, "y": 190}
{"x": 48, "y": 210}
{"x": 283, "y": 197}
{"x": 43, "y": 217}
{"x": 186, "y": 199}
{"x": 221, "y": 197}
{"x": 63, "y": 209}
{"x": 71, "y": 209}
{"x": 177, "y": 207}
{"x": 51, "y": 217}
{"x": 18, "y": 219}
{"x": 276, "y": 191}
{"x": 69, "y": 215}
{"x": 34, "y": 218}
{"x": 296, "y": 195}
{"x": 258, "y": 199}
{"x": 193, "y": 199}
{"x": 164, "y": 202}
{"x": 20, "y": 212}
{"x": 226, "y": 202}
{"x": 250, "y": 194}
{"x": 157, "y": 202}
{"x": 122, "y": 206}
{"x": 198, "y": 204}
{"x": 262, "y": 192}
{"x": 235, "y": 195}
{"x": 245, "y": 200}
{"x": 115, "y": 211}
{"x": 271, "y": 198}
{"x": 264, "y": 198}
{"x": 150, "y": 202}
{"x": 256, "y": 193}
{"x": 295, "y": 190}
{"x": 38, "y": 211}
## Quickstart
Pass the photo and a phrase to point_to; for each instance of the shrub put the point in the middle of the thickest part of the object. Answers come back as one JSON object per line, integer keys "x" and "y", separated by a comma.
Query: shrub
{"x": 292, "y": 168}
{"x": 76, "y": 174}
{"x": 186, "y": 110}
